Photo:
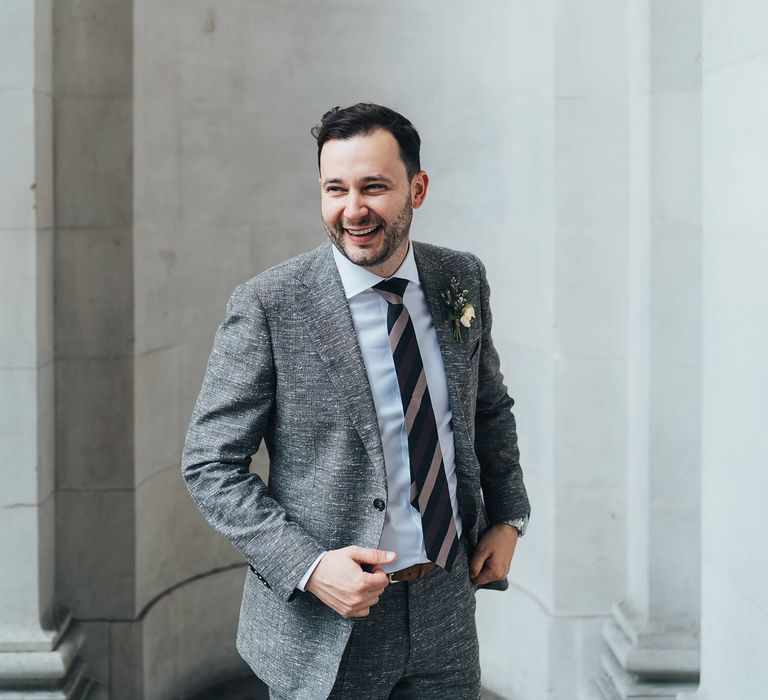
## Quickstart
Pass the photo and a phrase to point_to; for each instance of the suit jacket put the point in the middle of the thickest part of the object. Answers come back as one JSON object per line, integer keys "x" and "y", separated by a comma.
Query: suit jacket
{"x": 286, "y": 368}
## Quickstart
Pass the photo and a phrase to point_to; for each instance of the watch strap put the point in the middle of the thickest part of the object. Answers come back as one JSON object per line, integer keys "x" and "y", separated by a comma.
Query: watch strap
{"x": 520, "y": 524}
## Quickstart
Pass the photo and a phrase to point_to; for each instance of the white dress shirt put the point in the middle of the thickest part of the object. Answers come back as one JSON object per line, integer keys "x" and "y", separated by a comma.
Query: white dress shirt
{"x": 402, "y": 532}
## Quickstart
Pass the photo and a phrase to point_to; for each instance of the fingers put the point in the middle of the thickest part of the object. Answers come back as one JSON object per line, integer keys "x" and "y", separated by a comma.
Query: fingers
{"x": 339, "y": 582}
{"x": 348, "y": 604}
{"x": 356, "y": 607}
{"x": 371, "y": 556}
{"x": 489, "y": 571}
{"x": 375, "y": 580}
{"x": 486, "y": 577}
{"x": 482, "y": 567}
{"x": 477, "y": 562}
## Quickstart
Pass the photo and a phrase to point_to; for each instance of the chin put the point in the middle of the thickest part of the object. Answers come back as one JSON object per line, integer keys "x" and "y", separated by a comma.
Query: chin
{"x": 364, "y": 256}
{"x": 366, "y": 260}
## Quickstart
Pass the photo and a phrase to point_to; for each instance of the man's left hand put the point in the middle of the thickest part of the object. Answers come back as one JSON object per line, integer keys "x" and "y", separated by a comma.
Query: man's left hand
{"x": 493, "y": 554}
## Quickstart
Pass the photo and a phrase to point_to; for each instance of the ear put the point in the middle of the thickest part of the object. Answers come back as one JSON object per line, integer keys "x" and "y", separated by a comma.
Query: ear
{"x": 419, "y": 186}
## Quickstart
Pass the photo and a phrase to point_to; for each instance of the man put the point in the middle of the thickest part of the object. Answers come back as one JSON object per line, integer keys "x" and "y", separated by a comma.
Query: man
{"x": 367, "y": 368}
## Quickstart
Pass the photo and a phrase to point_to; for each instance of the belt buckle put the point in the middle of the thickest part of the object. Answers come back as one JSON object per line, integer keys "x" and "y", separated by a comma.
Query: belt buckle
{"x": 411, "y": 573}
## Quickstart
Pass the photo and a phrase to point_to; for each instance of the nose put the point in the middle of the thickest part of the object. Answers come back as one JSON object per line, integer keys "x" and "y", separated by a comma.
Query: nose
{"x": 355, "y": 207}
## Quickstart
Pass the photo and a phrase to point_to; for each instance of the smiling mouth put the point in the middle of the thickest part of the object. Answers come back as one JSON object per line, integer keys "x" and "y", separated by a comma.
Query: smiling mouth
{"x": 362, "y": 232}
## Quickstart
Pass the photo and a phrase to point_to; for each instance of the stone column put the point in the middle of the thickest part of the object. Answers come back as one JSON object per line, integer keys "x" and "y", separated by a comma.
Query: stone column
{"x": 558, "y": 272}
{"x": 734, "y": 566}
{"x": 652, "y": 636}
{"x": 39, "y": 646}
{"x": 93, "y": 319}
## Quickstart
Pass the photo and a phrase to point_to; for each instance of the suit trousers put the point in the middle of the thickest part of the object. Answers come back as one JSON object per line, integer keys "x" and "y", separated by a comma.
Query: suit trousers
{"x": 418, "y": 641}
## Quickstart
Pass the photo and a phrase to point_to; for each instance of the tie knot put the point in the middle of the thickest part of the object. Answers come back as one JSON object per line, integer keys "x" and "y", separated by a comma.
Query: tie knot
{"x": 392, "y": 289}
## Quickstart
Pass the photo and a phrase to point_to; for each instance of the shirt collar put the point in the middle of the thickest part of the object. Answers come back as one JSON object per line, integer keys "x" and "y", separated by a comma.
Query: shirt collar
{"x": 357, "y": 279}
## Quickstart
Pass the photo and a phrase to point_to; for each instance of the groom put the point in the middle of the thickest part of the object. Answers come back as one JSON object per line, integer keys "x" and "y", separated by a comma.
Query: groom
{"x": 367, "y": 368}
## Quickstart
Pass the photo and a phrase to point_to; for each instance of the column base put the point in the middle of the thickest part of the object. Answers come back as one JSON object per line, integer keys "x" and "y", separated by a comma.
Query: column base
{"x": 615, "y": 683}
{"x": 53, "y": 674}
{"x": 646, "y": 665}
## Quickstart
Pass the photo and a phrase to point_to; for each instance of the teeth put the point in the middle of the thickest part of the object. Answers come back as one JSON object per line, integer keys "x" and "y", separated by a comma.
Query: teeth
{"x": 363, "y": 232}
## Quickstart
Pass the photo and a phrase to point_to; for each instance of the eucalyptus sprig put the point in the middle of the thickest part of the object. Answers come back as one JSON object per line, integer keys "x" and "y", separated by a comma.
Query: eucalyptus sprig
{"x": 460, "y": 301}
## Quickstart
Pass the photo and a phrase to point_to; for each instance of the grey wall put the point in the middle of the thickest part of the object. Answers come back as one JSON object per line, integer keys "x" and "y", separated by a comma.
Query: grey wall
{"x": 94, "y": 343}
{"x": 27, "y": 515}
{"x": 735, "y": 344}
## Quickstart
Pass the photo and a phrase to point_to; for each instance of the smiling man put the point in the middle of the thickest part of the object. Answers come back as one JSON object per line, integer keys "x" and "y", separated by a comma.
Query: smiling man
{"x": 367, "y": 368}
{"x": 368, "y": 198}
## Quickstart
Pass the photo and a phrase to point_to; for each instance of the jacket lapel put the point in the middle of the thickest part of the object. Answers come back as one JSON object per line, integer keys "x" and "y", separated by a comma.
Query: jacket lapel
{"x": 456, "y": 361}
{"x": 455, "y": 354}
{"x": 327, "y": 314}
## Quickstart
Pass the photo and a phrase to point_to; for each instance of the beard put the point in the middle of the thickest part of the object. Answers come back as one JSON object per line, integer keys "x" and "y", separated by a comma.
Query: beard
{"x": 390, "y": 238}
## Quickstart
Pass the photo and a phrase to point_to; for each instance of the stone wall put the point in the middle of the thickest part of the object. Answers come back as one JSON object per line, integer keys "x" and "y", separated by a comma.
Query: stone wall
{"x": 93, "y": 273}
{"x": 652, "y": 638}
{"x": 40, "y": 646}
{"x": 734, "y": 567}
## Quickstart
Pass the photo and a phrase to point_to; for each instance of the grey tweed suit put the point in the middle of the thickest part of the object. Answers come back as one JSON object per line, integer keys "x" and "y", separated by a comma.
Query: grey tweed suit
{"x": 286, "y": 368}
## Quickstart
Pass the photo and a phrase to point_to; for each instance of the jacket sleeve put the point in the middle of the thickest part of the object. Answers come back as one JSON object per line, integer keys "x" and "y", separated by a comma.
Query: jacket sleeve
{"x": 496, "y": 448}
{"x": 228, "y": 422}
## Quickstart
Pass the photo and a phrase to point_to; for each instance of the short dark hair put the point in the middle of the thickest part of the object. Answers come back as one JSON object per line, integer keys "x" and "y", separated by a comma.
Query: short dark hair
{"x": 364, "y": 118}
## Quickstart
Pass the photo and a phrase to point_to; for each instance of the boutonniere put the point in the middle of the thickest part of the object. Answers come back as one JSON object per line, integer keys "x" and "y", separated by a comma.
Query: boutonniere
{"x": 461, "y": 306}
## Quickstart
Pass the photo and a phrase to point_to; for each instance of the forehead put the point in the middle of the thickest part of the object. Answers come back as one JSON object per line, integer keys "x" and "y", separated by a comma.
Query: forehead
{"x": 361, "y": 156}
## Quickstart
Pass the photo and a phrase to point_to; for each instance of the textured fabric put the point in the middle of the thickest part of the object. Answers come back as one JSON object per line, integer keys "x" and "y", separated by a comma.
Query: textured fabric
{"x": 429, "y": 485}
{"x": 425, "y": 642}
{"x": 286, "y": 369}
{"x": 402, "y": 532}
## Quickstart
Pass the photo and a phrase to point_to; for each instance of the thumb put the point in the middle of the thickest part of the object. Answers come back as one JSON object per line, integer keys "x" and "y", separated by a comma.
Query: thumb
{"x": 476, "y": 565}
{"x": 372, "y": 556}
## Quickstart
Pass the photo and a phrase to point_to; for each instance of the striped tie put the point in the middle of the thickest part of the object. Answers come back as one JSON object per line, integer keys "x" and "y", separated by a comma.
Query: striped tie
{"x": 429, "y": 485}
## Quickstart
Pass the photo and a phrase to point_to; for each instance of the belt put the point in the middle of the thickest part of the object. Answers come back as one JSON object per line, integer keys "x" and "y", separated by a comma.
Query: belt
{"x": 411, "y": 573}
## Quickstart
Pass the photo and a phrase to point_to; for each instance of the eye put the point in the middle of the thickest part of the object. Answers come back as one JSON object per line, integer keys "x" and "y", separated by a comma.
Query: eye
{"x": 376, "y": 186}
{"x": 333, "y": 189}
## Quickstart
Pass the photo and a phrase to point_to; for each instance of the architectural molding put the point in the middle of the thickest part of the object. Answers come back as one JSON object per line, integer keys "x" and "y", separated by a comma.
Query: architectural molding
{"x": 53, "y": 673}
{"x": 615, "y": 683}
{"x": 647, "y": 661}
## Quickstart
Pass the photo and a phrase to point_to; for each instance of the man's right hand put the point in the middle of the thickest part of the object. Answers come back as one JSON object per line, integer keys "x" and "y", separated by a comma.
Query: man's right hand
{"x": 341, "y": 583}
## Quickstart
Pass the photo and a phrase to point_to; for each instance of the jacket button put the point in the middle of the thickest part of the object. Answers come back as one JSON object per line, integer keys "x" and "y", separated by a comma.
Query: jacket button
{"x": 379, "y": 504}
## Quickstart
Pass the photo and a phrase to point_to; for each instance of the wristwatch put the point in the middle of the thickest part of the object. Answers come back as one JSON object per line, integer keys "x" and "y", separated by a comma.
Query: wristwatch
{"x": 520, "y": 524}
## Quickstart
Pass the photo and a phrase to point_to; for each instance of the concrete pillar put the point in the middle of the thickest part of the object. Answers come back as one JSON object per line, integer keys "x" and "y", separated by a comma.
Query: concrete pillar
{"x": 592, "y": 165}
{"x": 559, "y": 278}
{"x": 652, "y": 638}
{"x": 39, "y": 645}
{"x": 93, "y": 318}
{"x": 734, "y": 567}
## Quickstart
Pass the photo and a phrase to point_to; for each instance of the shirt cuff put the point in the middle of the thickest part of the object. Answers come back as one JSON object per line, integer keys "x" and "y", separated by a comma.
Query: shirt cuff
{"x": 305, "y": 577}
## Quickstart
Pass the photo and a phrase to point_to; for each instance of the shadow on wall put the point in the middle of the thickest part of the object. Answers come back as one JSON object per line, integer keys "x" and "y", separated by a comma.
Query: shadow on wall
{"x": 246, "y": 688}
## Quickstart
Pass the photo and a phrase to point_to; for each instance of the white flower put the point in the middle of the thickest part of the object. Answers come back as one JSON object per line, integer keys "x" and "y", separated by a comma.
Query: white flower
{"x": 467, "y": 314}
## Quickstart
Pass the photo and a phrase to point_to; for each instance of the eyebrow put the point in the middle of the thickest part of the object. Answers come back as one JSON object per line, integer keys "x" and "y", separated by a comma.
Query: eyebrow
{"x": 367, "y": 178}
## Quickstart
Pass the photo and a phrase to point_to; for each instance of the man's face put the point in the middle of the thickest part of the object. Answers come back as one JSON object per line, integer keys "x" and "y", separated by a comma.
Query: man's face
{"x": 367, "y": 199}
